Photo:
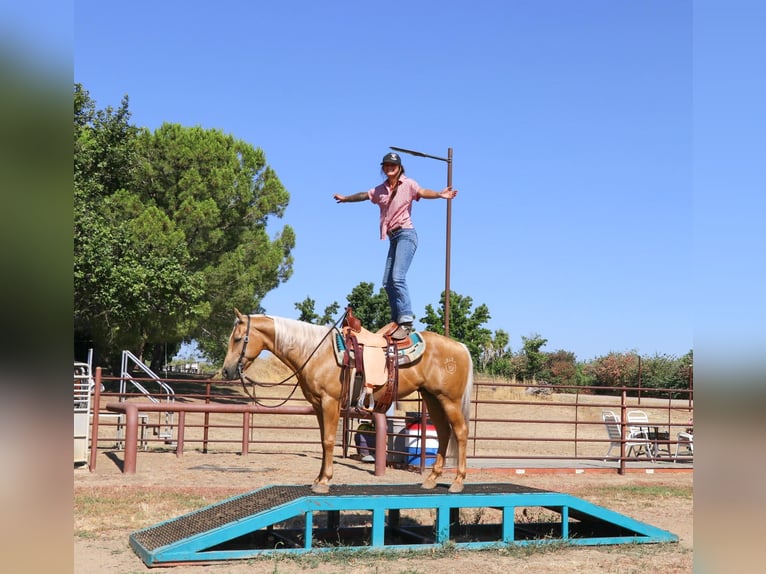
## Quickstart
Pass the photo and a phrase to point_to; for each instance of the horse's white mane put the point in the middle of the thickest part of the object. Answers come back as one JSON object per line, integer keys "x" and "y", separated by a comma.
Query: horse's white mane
{"x": 290, "y": 334}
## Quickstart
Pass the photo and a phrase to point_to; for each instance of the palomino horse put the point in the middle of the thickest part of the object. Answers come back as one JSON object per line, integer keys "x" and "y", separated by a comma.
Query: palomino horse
{"x": 443, "y": 375}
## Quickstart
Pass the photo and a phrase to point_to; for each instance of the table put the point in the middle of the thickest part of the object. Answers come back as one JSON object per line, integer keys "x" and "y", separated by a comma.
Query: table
{"x": 660, "y": 441}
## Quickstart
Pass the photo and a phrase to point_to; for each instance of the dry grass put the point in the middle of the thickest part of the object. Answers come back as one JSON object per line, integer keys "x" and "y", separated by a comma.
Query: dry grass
{"x": 105, "y": 515}
{"x": 107, "y": 509}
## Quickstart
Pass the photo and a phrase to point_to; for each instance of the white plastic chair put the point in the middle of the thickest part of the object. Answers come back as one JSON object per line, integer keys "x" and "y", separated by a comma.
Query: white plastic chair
{"x": 636, "y": 440}
{"x": 638, "y": 427}
{"x": 613, "y": 429}
{"x": 686, "y": 439}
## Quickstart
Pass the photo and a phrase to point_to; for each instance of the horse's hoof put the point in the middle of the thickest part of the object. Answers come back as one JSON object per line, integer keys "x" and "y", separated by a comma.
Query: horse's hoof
{"x": 428, "y": 485}
{"x": 320, "y": 488}
{"x": 455, "y": 488}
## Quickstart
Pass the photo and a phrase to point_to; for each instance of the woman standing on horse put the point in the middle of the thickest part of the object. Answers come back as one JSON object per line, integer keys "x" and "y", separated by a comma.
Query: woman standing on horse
{"x": 394, "y": 197}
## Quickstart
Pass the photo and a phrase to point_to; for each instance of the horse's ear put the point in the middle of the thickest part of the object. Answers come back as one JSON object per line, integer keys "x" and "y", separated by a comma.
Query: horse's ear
{"x": 238, "y": 314}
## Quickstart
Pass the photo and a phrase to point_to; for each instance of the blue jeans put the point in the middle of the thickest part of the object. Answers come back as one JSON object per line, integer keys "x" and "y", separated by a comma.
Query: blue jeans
{"x": 401, "y": 250}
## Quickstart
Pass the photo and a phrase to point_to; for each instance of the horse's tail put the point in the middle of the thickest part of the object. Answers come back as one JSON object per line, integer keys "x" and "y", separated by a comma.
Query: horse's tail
{"x": 465, "y": 405}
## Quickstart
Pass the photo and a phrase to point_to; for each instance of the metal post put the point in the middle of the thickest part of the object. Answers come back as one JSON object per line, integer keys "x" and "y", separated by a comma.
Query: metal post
{"x": 181, "y": 434}
{"x": 623, "y": 428}
{"x": 691, "y": 384}
{"x": 449, "y": 236}
{"x": 131, "y": 439}
{"x": 206, "y": 421}
{"x": 245, "y": 438}
{"x": 381, "y": 427}
{"x": 95, "y": 404}
{"x": 447, "y": 159}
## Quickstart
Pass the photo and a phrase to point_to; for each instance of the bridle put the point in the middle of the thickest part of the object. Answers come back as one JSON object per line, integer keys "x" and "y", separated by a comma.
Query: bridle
{"x": 243, "y": 376}
{"x": 245, "y": 341}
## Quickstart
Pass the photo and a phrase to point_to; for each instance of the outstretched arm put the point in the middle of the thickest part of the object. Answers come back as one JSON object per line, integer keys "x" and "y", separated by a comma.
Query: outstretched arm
{"x": 446, "y": 193}
{"x": 361, "y": 196}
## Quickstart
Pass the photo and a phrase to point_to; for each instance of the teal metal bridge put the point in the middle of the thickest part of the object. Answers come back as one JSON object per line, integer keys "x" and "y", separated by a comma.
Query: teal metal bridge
{"x": 292, "y": 519}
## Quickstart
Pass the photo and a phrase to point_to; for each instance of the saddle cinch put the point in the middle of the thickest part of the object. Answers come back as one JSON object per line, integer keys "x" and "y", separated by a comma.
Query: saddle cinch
{"x": 372, "y": 360}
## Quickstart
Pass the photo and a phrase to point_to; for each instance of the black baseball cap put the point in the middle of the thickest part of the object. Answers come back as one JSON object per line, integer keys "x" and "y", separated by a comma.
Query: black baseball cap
{"x": 391, "y": 158}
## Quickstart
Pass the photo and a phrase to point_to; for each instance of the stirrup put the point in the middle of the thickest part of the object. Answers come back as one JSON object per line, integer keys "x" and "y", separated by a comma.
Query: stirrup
{"x": 360, "y": 402}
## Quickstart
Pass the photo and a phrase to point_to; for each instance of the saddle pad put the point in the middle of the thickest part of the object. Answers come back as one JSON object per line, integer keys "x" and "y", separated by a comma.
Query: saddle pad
{"x": 404, "y": 357}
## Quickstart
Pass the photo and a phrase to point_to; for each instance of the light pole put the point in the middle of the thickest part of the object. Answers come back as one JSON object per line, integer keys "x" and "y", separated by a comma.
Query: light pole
{"x": 447, "y": 159}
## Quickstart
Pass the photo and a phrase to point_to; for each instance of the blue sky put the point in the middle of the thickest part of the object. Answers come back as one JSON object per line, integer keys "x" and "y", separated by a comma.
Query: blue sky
{"x": 571, "y": 125}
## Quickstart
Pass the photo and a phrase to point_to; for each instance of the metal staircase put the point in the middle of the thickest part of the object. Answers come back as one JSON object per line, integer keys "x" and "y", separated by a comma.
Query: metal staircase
{"x": 167, "y": 393}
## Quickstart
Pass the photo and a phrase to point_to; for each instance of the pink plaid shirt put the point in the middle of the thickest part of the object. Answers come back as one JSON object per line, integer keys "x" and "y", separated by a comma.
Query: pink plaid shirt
{"x": 395, "y": 213}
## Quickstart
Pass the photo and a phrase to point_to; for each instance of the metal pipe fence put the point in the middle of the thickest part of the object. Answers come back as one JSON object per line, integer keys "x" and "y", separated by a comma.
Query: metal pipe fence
{"x": 512, "y": 425}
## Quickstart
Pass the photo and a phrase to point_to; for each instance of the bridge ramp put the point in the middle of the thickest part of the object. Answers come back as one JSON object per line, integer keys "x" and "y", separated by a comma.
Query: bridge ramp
{"x": 293, "y": 519}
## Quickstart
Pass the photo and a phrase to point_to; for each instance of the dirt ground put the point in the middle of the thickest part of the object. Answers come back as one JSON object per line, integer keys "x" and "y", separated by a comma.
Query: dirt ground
{"x": 102, "y": 524}
{"x": 109, "y": 505}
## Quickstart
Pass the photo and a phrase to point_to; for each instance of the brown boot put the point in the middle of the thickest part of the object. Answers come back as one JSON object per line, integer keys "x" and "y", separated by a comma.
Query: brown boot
{"x": 402, "y": 331}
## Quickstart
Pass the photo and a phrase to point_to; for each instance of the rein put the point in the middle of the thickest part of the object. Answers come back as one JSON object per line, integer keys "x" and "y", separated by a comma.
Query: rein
{"x": 243, "y": 376}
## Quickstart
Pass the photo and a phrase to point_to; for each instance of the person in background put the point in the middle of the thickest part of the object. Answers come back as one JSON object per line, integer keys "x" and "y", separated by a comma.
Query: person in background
{"x": 394, "y": 197}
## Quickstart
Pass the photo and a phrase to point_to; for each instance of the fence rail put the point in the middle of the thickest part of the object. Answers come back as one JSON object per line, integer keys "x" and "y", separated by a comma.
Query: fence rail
{"x": 511, "y": 424}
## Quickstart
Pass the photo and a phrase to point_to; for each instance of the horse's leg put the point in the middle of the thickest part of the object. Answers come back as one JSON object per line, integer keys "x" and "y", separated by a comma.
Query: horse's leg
{"x": 460, "y": 429}
{"x": 327, "y": 414}
{"x": 318, "y": 412}
{"x": 440, "y": 422}
{"x": 447, "y": 418}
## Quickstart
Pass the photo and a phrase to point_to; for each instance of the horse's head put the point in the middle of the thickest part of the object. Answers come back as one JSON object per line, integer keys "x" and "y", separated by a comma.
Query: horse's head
{"x": 248, "y": 338}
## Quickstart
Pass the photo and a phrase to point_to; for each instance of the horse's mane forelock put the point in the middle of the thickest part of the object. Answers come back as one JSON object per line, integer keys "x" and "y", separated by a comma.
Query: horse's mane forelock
{"x": 293, "y": 334}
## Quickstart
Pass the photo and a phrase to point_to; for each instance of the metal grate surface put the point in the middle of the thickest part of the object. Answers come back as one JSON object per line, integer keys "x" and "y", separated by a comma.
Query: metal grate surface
{"x": 264, "y": 499}
{"x": 218, "y": 515}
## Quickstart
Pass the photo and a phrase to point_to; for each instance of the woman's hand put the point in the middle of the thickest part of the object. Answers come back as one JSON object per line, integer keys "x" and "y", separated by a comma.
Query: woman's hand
{"x": 448, "y": 193}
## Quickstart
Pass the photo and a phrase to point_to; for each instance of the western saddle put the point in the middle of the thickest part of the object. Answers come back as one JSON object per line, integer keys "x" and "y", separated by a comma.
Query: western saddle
{"x": 373, "y": 359}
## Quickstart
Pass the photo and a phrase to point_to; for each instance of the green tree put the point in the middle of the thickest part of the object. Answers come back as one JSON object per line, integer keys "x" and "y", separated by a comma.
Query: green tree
{"x": 307, "y": 313}
{"x": 663, "y": 371}
{"x": 372, "y": 309}
{"x": 535, "y": 359}
{"x": 465, "y": 325}
{"x": 495, "y": 349}
{"x": 221, "y": 193}
{"x": 658, "y": 371}
{"x": 684, "y": 378}
{"x": 582, "y": 377}
{"x": 499, "y": 360}
{"x": 170, "y": 233}
{"x": 130, "y": 282}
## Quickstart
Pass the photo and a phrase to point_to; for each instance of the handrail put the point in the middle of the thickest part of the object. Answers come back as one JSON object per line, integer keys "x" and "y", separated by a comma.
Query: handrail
{"x": 126, "y": 376}
{"x": 169, "y": 392}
